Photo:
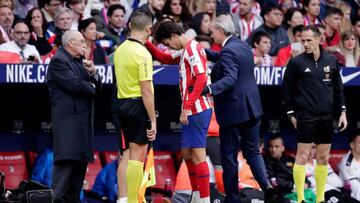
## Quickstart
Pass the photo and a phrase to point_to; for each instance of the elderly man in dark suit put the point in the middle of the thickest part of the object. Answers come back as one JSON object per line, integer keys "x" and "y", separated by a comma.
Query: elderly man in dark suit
{"x": 237, "y": 106}
{"x": 72, "y": 84}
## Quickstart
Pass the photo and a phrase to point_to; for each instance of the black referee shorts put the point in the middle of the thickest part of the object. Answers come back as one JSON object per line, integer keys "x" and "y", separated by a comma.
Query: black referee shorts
{"x": 134, "y": 120}
{"x": 314, "y": 129}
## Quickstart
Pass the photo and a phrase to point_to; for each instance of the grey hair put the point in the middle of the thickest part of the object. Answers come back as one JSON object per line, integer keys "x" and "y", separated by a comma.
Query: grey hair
{"x": 225, "y": 23}
{"x": 60, "y": 10}
{"x": 67, "y": 36}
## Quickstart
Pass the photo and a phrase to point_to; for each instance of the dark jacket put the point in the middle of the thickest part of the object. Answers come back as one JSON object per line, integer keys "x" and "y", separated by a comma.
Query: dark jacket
{"x": 71, "y": 91}
{"x": 279, "y": 38}
{"x": 106, "y": 182}
{"x": 281, "y": 170}
{"x": 100, "y": 56}
{"x": 236, "y": 94}
{"x": 115, "y": 37}
{"x": 313, "y": 87}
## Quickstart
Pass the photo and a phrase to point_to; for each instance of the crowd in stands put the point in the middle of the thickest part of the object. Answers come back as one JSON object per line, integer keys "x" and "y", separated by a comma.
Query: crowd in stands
{"x": 33, "y": 29}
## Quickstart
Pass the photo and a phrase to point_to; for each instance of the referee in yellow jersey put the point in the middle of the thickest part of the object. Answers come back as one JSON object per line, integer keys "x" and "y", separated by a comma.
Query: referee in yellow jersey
{"x": 135, "y": 93}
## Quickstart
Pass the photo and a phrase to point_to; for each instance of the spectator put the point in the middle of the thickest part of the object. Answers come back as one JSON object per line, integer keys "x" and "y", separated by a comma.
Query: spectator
{"x": 356, "y": 25}
{"x": 153, "y": 8}
{"x": 205, "y": 41}
{"x": 94, "y": 52}
{"x": 279, "y": 167}
{"x": 273, "y": 18}
{"x": 63, "y": 20}
{"x": 292, "y": 49}
{"x": 293, "y": 17}
{"x": 130, "y": 6}
{"x": 206, "y": 6}
{"x": 199, "y": 25}
{"x": 101, "y": 16}
{"x": 324, "y": 6}
{"x": 349, "y": 166}
{"x": 6, "y": 23}
{"x": 248, "y": 21}
{"x": 8, "y": 3}
{"x": 77, "y": 7}
{"x": 346, "y": 21}
{"x": 354, "y": 4}
{"x": 116, "y": 29}
{"x": 285, "y": 5}
{"x": 179, "y": 11}
{"x": 48, "y": 7}
{"x": 332, "y": 26}
{"x": 348, "y": 51}
{"x": 43, "y": 166}
{"x": 261, "y": 44}
{"x": 322, "y": 30}
{"x": 311, "y": 12}
{"x": 106, "y": 183}
{"x": 19, "y": 45}
{"x": 40, "y": 37}
{"x": 23, "y": 7}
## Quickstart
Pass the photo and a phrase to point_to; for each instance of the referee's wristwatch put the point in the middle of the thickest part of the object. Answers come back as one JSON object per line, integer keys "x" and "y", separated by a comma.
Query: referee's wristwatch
{"x": 290, "y": 115}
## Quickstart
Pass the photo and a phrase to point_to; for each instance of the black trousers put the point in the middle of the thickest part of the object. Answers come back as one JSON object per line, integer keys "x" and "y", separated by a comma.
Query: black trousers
{"x": 68, "y": 179}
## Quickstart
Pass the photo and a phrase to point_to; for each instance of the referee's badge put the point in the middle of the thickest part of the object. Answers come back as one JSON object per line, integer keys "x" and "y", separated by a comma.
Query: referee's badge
{"x": 327, "y": 69}
{"x": 327, "y": 74}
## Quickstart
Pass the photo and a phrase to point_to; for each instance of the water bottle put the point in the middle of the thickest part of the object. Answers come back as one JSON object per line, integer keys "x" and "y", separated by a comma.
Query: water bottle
{"x": 168, "y": 185}
{"x": 273, "y": 182}
{"x": 347, "y": 188}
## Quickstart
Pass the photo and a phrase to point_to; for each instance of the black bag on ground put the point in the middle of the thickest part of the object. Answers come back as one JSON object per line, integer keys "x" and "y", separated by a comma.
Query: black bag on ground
{"x": 30, "y": 191}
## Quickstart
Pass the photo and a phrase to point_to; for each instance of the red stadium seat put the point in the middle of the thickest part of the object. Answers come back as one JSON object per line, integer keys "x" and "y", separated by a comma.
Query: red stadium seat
{"x": 31, "y": 156}
{"x": 108, "y": 157}
{"x": 91, "y": 172}
{"x": 13, "y": 164}
{"x": 9, "y": 57}
{"x": 335, "y": 158}
{"x": 164, "y": 168}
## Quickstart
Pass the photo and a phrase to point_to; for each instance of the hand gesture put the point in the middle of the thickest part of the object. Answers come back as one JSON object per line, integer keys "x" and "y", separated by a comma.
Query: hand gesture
{"x": 294, "y": 121}
{"x": 151, "y": 133}
{"x": 184, "y": 116}
{"x": 89, "y": 66}
{"x": 342, "y": 122}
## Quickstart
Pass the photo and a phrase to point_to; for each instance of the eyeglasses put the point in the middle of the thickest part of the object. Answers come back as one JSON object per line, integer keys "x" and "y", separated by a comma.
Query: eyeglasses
{"x": 54, "y": 5}
{"x": 21, "y": 33}
{"x": 82, "y": 41}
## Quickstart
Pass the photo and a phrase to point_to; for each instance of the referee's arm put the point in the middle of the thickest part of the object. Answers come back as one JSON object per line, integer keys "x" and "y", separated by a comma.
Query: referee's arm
{"x": 289, "y": 87}
{"x": 148, "y": 100}
{"x": 339, "y": 90}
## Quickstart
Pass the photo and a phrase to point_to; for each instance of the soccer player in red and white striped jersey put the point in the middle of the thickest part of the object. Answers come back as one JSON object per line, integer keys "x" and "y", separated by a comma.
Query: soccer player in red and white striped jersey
{"x": 196, "y": 110}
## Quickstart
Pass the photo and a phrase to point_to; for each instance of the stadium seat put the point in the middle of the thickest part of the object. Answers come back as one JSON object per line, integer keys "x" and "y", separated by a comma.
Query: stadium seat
{"x": 335, "y": 158}
{"x": 8, "y": 57}
{"x": 30, "y": 157}
{"x": 108, "y": 157}
{"x": 13, "y": 164}
{"x": 91, "y": 172}
{"x": 164, "y": 168}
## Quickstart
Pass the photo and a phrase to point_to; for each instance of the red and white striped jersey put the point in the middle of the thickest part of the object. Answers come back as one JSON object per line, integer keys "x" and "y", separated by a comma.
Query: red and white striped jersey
{"x": 193, "y": 78}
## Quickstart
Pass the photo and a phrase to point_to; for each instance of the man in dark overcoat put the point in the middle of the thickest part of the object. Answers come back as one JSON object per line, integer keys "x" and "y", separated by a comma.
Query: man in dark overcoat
{"x": 73, "y": 83}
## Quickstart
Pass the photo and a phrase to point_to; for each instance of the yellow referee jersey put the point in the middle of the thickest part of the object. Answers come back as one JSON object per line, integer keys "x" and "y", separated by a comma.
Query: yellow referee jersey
{"x": 133, "y": 64}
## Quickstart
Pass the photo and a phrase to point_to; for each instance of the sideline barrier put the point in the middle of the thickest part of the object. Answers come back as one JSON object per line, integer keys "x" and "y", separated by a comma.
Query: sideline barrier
{"x": 163, "y": 75}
